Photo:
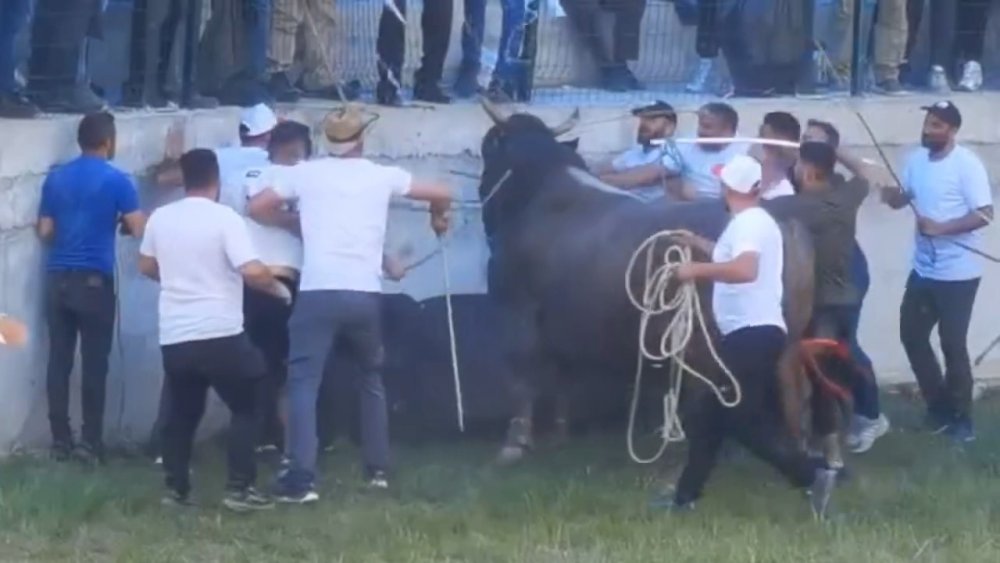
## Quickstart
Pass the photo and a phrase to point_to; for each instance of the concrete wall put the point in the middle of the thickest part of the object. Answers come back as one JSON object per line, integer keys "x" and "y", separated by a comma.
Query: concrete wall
{"x": 426, "y": 141}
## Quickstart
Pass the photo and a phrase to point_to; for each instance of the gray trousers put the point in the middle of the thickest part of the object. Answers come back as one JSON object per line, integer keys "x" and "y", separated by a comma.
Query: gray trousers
{"x": 320, "y": 320}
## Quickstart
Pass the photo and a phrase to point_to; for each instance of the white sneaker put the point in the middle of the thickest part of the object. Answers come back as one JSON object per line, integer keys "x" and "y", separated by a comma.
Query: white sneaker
{"x": 938, "y": 80}
{"x": 865, "y": 432}
{"x": 972, "y": 77}
{"x": 700, "y": 79}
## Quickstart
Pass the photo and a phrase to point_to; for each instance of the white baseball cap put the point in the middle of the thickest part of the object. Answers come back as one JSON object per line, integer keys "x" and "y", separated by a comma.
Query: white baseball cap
{"x": 741, "y": 174}
{"x": 258, "y": 120}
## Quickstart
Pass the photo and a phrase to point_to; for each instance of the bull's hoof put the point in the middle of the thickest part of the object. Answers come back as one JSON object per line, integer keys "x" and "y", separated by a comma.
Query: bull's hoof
{"x": 509, "y": 455}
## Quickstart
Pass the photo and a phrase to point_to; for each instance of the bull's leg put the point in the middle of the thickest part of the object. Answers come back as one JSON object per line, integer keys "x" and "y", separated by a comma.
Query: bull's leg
{"x": 520, "y": 435}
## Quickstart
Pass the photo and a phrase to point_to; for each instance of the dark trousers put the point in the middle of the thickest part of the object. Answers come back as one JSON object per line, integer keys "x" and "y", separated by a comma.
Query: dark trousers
{"x": 166, "y": 37}
{"x": 865, "y": 389}
{"x": 13, "y": 15}
{"x": 266, "y": 320}
{"x": 435, "y": 27}
{"x": 585, "y": 15}
{"x": 752, "y": 356}
{"x": 707, "y": 34}
{"x": 942, "y": 30}
{"x": 57, "y": 36}
{"x": 833, "y": 322}
{"x": 232, "y": 368}
{"x": 320, "y": 321}
{"x": 948, "y": 305}
{"x": 80, "y": 306}
{"x": 970, "y": 31}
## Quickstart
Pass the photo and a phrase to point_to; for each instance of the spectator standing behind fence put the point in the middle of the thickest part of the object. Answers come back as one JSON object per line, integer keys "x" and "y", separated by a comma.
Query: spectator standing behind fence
{"x": 890, "y": 35}
{"x": 510, "y": 74}
{"x": 13, "y": 103}
{"x": 615, "y": 74}
{"x": 58, "y": 34}
{"x": 970, "y": 36}
{"x": 942, "y": 40}
{"x": 308, "y": 26}
{"x": 82, "y": 203}
{"x": 435, "y": 27}
{"x": 704, "y": 15}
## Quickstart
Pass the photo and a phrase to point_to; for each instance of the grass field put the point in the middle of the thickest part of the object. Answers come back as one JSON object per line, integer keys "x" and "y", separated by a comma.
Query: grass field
{"x": 914, "y": 498}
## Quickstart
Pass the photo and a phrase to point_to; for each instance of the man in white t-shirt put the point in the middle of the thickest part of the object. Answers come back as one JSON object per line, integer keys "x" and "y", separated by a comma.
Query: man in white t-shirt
{"x": 256, "y": 124}
{"x": 657, "y": 122}
{"x": 947, "y": 187}
{"x": 686, "y": 169}
{"x": 201, "y": 253}
{"x": 777, "y": 162}
{"x": 343, "y": 204}
{"x": 746, "y": 269}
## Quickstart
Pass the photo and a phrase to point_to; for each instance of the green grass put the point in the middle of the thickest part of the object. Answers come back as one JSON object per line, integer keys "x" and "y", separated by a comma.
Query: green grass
{"x": 913, "y": 498}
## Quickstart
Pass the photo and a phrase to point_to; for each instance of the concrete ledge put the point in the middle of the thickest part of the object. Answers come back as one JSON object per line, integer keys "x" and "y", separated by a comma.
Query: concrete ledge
{"x": 429, "y": 141}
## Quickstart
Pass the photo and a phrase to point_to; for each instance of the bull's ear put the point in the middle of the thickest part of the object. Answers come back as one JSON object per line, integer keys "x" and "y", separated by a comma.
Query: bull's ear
{"x": 572, "y": 143}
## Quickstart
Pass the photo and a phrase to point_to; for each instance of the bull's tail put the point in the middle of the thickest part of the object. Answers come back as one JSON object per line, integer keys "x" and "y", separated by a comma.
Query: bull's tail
{"x": 830, "y": 368}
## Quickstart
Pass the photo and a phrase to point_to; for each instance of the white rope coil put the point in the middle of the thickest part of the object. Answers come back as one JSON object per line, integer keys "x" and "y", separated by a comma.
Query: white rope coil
{"x": 685, "y": 305}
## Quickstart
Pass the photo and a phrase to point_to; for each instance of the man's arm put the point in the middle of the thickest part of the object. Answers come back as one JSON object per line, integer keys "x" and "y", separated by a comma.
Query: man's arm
{"x": 46, "y": 228}
{"x": 742, "y": 269}
{"x": 133, "y": 224}
{"x": 967, "y": 223}
{"x": 149, "y": 267}
{"x": 438, "y": 195}
{"x": 259, "y": 276}
{"x": 895, "y": 197}
{"x": 393, "y": 268}
{"x": 167, "y": 174}
{"x": 636, "y": 177}
{"x": 268, "y": 208}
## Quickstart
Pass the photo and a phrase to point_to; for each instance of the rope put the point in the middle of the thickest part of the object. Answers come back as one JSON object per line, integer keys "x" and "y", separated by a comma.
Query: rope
{"x": 685, "y": 304}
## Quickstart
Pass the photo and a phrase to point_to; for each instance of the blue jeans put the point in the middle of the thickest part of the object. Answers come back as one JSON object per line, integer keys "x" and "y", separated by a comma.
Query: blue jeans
{"x": 258, "y": 21}
{"x": 319, "y": 320}
{"x": 13, "y": 16}
{"x": 865, "y": 391}
{"x": 509, "y": 64}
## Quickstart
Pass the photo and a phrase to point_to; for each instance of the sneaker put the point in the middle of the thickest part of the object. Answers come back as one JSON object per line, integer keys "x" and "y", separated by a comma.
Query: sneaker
{"x": 247, "y": 500}
{"x": 89, "y": 454}
{"x": 936, "y": 423}
{"x": 79, "y": 99}
{"x": 175, "y": 499}
{"x": 378, "y": 481}
{"x": 866, "y": 432}
{"x": 267, "y": 448}
{"x": 821, "y": 491}
{"x": 386, "y": 94}
{"x": 668, "y": 503}
{"x": 699, "y": 81}
{"x": 287, "y": 493}
{"x": 938, "y": 81}
{"x": 615, "y": 78}
{"x": 158, "y": 460}
{"x": 961, "y": 432}
{"x": 430, "y": 92}
{"x": 972, "y": 77}
{"x": 890, "y": 87}
{"x": 467, "y": 82}
{"x": 13, "y": 105}
{"x": 61, "y": 451}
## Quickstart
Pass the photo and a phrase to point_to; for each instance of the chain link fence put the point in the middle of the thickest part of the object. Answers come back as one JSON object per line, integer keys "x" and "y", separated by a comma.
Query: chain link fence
{"x": 72, "y": 55}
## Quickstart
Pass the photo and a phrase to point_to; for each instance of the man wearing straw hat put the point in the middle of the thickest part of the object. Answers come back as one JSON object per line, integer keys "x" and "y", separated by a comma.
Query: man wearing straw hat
{"x": 343, "y": 201}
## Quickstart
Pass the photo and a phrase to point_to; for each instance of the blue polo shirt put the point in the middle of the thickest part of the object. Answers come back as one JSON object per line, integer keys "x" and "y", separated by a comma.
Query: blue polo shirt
{"x": 85, "y": 198}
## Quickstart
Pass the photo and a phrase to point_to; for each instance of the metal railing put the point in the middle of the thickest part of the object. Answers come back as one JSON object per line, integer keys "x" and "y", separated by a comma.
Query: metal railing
{"x": 548, "y": 51}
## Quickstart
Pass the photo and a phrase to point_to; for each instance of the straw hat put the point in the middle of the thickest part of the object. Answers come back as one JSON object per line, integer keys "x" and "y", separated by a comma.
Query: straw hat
{"x": 345, "y": 127}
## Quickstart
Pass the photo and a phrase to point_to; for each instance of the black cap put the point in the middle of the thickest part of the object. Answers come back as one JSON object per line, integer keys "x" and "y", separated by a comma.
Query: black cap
{"x": 659, "y": 108}
{"x": 945, "y": 111}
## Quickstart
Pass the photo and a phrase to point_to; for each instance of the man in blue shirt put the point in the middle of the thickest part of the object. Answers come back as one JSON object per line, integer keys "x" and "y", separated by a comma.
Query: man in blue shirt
{"x": 948, "y": 189}
{"x": 82, "y": 203}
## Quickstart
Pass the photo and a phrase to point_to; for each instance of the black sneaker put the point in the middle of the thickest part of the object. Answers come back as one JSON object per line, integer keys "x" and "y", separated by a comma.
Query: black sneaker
{"x": 821, "y": 490}
{"x": 386, "y": 94}
{"x": 281, "y": 88}
{"x": 430, "y": 92}
{"x": 175, "y": 499}
{"x": 961, "y": 432}
{"x": 467, "y": 82}
{"x": 61, "y": 451}
{"x": 79, "y": 99}
{"x": 247, "y": 500}
{"x": 378, "y": 481}
{"x": 13, "y": 105}
{"x": 89, "y": 454}
{"x": 287, "y": 492}
{"x": 500, "y": 91}
{"x": 615, "y": 79}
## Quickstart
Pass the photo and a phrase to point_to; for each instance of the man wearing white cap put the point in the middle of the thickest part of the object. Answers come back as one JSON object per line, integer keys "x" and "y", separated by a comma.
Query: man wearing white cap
{"x": 256, "y": 124}
{"x": 746, "y": 269}
{"x": 343, "y": 203}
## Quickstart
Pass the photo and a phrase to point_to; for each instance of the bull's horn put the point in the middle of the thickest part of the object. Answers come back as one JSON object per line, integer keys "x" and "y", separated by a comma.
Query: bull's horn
{"x": 568, "y": 125}
{"x": 496, "y": 113}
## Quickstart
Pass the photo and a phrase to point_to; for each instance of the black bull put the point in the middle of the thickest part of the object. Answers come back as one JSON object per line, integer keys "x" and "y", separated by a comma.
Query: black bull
{"x": 560, "y": 244}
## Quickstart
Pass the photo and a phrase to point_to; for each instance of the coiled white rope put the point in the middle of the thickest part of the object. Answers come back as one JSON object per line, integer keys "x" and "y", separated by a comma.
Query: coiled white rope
{"x": 685, "y": 305}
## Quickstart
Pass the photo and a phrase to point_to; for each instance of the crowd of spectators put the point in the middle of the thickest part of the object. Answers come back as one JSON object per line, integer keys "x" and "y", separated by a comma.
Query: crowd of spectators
{"x": 281, "y": 50}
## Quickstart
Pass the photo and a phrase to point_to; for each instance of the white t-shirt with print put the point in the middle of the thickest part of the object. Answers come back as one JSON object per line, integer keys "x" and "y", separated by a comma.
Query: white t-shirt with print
{"x": 757, "y": 303}
{"x": 637, "y": 156}
{"x": 199, "y": 246}
{"x": 233, "y": 165}
{"x": 344, "y": 207}
{"x": 697, "y": 166}
{"x": 944, "y": 190}
{"x": 277, "y": 246}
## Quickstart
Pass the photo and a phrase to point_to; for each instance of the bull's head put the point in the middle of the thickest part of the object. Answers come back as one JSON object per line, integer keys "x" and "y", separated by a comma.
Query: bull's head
{"x": 522, "y": 143}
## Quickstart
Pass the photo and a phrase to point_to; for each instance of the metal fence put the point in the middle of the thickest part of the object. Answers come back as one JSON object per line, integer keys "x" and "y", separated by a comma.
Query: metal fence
{"x": 150, "y": 52}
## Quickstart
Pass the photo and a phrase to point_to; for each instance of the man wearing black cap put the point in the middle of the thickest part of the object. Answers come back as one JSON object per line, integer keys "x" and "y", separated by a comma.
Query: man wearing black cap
{"x": 656, "y": 121}
{"x": 949, "y": 191}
